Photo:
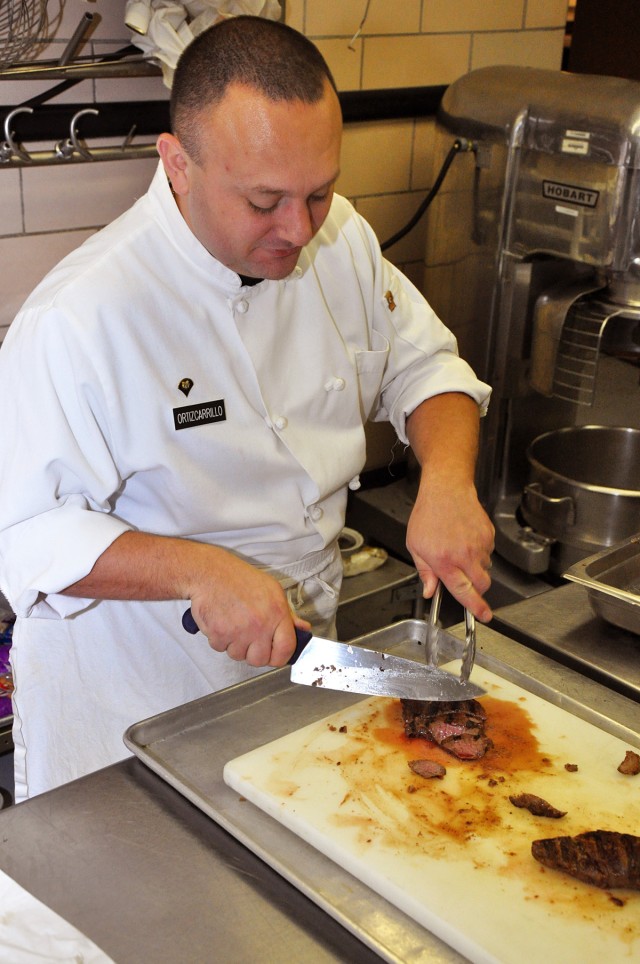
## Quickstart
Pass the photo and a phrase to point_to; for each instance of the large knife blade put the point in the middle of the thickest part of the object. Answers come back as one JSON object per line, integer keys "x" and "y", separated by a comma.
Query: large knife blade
{"x": 355, "y": 669}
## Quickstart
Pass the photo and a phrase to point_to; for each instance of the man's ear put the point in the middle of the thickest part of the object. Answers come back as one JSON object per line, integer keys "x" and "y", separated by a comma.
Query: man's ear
{"x": 175, "y": 162}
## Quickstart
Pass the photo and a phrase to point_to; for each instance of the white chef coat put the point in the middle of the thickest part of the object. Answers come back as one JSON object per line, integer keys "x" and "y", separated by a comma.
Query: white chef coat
{"x": 144, "y": 387}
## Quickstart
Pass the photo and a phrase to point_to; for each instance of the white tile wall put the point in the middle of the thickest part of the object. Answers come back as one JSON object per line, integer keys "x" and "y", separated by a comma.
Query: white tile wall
{"x": 57, "y": 198}
{"x": 11, "y": 203}
{"x": 25, "y": 260}
{"x": 386, "y": 166}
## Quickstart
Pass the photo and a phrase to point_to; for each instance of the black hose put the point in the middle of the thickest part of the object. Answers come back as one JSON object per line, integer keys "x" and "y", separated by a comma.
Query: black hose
{"x": 460, "y": 144}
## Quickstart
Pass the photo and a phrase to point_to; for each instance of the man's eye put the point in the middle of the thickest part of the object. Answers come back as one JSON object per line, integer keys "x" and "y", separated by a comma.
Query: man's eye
{"x": 259, "y": 210}
{"x": 319, "y": 198}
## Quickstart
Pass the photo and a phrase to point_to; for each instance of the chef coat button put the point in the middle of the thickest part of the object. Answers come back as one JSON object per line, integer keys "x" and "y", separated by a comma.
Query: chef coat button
{"x": 297, "y": 271}
{"x": 355, "y": 483}
{"x": 280, "y": 422}
{"x": 243, "y": 306}
{"x": 315, "y": 513}
{"x": 334, "y": 384}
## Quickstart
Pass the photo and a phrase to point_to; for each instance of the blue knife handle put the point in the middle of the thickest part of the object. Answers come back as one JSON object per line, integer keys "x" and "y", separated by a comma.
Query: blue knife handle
{"x": 302, "y": 635}
{"x": 189, "y": 623}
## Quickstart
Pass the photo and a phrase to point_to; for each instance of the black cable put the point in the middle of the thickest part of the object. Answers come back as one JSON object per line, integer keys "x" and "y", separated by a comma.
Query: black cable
{"x": 40, "y": 99}
{"x": 460, "y": 144}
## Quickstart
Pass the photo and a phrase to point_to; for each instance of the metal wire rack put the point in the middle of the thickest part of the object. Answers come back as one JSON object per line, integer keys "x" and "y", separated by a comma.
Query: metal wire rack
{"x": 21, "y": 23}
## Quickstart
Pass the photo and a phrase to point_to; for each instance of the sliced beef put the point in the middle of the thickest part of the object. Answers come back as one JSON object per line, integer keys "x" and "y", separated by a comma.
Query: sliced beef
{"x": 536, "y": 805}
{"x": 428, "y": 769}
{"x": 630, "y": 766}
{"x": 457, "y": 727}
{"x": 603, "y": 858}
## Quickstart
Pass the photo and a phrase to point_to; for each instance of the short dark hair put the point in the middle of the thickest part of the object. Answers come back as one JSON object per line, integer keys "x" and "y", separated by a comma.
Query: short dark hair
{"x": 275, "y": 59}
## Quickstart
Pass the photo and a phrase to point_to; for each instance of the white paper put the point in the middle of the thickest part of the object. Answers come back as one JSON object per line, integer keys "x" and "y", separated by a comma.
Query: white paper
{"x": 31, "y": 932}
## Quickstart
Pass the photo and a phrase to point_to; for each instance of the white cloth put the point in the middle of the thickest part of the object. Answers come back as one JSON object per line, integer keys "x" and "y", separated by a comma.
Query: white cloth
{"x": 30, "y": 932}
{"x": 162, "y": 28}
{"x": 93, "y": 372}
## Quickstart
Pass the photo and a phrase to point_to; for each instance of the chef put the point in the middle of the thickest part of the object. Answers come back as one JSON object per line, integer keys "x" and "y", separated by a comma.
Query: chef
{"x": 183, "y": 407}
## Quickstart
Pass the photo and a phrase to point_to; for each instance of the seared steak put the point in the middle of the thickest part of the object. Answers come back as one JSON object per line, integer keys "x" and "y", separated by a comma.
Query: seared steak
{"x": 603, "y": 858}
{"x": 457, "y": 727}
{"x": 536, "y": 805}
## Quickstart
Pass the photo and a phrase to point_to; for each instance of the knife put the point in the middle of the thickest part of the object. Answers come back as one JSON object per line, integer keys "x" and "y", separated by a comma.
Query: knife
{"x": 355, "y": 669}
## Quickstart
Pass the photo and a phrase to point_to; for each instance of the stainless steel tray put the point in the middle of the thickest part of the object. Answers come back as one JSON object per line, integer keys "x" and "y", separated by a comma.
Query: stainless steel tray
{"x": 189, "y": 746}
{"x": 612, "y": 580}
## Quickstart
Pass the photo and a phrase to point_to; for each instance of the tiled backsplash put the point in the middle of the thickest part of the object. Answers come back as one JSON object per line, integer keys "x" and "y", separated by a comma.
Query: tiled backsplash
{"x": 48, "y": 211}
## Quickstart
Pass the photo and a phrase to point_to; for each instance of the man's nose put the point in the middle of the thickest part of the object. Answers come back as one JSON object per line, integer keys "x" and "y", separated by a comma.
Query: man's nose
{"x": 297, "y": 225}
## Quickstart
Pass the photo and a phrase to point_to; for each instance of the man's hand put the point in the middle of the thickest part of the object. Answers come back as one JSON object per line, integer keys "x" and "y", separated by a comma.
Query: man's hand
{"x": 449, "y": 535}
{"x": 450, "y": 538}
{"x": 246, "y": 615}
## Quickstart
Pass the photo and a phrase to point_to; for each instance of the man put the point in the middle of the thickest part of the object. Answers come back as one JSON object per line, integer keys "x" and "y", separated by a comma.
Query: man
{"x": 184, "y": 401}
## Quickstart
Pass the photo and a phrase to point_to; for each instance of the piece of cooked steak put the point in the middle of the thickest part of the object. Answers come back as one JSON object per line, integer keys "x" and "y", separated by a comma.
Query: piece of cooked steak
{"x": 630, "y": 766}
{"x": 603, "y": 858}
{"x": 538, "y": 806}
{"x": 428, "y": 769}
{"x": 457, "y": 727}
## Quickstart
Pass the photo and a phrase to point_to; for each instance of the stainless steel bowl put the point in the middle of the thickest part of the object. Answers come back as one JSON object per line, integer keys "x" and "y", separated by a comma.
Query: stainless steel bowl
{"x": 584, "y": 486}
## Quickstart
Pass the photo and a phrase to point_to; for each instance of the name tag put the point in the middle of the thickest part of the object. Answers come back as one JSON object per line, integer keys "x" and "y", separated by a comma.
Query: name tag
{"x": 201, "y": 414}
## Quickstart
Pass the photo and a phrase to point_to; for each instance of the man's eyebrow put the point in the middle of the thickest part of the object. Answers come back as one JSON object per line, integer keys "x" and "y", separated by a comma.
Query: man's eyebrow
{"x": 279, "y": 192}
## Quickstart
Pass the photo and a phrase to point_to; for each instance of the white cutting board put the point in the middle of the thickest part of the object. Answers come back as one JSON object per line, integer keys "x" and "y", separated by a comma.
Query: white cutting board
{"x": 455, "y": 854}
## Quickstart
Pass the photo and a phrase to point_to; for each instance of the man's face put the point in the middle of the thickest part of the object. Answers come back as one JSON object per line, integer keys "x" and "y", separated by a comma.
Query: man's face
{"x": 265, "y": 180}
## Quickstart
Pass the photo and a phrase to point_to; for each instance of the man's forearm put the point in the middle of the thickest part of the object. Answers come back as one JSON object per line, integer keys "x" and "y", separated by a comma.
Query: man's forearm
{"x": 240, "y": 609}
{"x": 139, "y": 565}
{"x": 443, "y": 432}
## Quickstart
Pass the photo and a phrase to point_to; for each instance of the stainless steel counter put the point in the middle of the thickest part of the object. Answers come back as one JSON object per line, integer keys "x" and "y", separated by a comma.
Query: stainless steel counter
{"x": 150, "y": 878}
{"x": 561, "y": 624}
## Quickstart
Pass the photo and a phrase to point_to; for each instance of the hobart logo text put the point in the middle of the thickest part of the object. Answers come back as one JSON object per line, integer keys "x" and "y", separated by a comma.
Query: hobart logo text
{"x": 571, "y": 193}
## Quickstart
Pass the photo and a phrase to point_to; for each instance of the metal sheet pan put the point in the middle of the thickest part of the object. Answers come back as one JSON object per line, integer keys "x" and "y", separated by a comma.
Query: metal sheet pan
{"x": 189, "y": 746}
{"x": 612, "y": 580}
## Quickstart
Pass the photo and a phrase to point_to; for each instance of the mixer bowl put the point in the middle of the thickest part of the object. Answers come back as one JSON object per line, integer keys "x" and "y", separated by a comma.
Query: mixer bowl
{"x": 584, "y": 488}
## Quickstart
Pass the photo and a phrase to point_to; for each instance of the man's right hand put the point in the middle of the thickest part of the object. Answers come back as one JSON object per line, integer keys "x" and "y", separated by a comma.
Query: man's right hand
{"x": 246, "y": 614}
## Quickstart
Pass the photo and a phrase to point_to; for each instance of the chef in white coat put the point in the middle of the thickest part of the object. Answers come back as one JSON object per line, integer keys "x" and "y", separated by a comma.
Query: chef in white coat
{"x": 183, "y": 409}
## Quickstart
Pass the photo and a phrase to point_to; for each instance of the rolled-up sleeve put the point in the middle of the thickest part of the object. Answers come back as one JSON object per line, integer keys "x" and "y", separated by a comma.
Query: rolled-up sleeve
{"x": 423, "y": 360}
{"x": 57, "y": 474}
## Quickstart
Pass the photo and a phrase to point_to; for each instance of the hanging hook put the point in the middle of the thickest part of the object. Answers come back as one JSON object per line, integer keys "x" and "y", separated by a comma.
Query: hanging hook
{"x": 10, "y": 148}
{"x": 73, "y": 133}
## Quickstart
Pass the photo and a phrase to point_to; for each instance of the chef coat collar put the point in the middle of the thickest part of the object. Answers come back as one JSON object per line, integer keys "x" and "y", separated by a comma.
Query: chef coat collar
{"x": 168, "y": 214}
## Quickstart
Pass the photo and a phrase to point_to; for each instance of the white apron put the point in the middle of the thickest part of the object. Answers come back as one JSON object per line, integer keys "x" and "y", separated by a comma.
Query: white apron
{"x": 127, "y": 667}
